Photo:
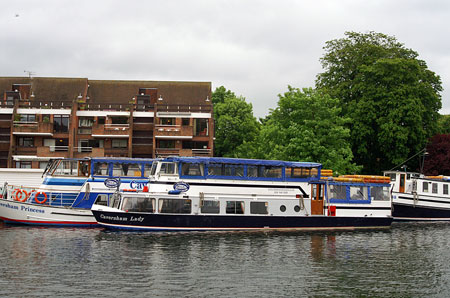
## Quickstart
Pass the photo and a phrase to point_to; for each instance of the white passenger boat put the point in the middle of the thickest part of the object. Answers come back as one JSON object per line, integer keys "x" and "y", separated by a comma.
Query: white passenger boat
{"x": 69, "y": 188}
{"x": 240, "y": 194}
{"x": 416, "y": 197}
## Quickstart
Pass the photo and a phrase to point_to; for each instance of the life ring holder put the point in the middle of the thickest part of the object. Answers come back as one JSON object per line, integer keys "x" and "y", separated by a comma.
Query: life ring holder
{"x": 20, "y": 192}
{"x": 36, "y": 197}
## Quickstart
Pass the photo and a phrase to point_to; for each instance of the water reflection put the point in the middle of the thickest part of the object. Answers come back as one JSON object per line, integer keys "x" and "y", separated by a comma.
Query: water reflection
{"x": 408, "y": 260}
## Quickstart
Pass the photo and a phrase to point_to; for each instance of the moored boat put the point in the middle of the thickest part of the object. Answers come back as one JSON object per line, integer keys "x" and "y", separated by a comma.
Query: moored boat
{"x": 201, "y": 194}
{"x": 416, "y": 197}
{"x": 69, "y": 188}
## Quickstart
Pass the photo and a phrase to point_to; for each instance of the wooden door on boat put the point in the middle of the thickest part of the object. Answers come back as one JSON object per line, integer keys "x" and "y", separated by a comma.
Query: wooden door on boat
{"x": 402, "y": 183}
{"x": 317, "y": 192}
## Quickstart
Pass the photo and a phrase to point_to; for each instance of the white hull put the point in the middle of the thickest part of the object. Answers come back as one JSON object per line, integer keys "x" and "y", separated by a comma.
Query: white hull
{"x": 31, "y": 214}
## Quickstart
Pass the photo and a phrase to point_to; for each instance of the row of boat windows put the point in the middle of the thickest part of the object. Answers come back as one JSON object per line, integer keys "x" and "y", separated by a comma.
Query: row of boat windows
{"x": 434, "y": 188}
{"x": 236, "y": 170}
{"x": 184, "y": 206}
{"x": 115, "y": 169}
{"x": 361, "y": 193}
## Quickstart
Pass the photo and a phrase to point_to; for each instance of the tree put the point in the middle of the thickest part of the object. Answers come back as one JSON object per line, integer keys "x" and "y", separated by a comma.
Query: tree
{"x": 306, "y": 126}
{"x": 390, "y": 96}
{"x": 444, "y": 124}
{"x": 437, "y": 162}
{"x": 235, "y": 124}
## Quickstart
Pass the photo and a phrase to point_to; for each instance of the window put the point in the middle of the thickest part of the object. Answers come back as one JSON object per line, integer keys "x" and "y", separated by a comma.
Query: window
{"x": 338, "y": 192}
{"x": 136, "y": 204}
{"x": 61, "y": 123}
{"x": 193, "y": 169}
{"x": 258, "y": 208}
{"x": 269, "y": 172}
{"x": 119, "y": 143}
{"x": 298, "y": 172}
{"x": 101, "y": 168}
{"x": 85, "y": 121}
{"x": 101, "y": 120}
{"x": 67, "y": 168}
{"x": 168, "y": 168}
{"x": 102, "y": 200}
{"x": 185, "y": 121}
{"x": 225, "y": 170}
{"x": 358, "y": 193}
{"x": 27, "y": 118}
{"x": 235, "y": 207}
{"x": 25, "y": 142}
{"x": 147, "y": 169}
{"x": 201, "y": 127}
{"x": 167, "y": 144}
{"x": 175, "y": 206}
{"x": 23, "y": 164}
{"x": 425, "y": 187}
{"x": 445, "y": 189}
{"x": 434, "y": 188}
{"x": 43, "y": 165}
{"x": 379, "y": 193}
{"x": 119, "y": 120}
{"x": 167, "y": 121}
{"x": 126, "y": 169}
{"x": 61, "y": 145}
{"x": 210, "y": 207}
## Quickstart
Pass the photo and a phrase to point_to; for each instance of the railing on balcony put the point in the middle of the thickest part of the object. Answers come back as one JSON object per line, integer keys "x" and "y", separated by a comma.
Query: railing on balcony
{"x": 33, "y": 127}
{"x": 144, "y": 108}
{"x": 6, "y": 104}
{"x": 104, "y": 107}
{"x": 46, "y": 105}
{"x": 58, "y": 148}
{"x": 82, "y": 149}
{"x": 201, "y": 152}
{"x": 162, "y": 152}
{"x": 184, "y": 108}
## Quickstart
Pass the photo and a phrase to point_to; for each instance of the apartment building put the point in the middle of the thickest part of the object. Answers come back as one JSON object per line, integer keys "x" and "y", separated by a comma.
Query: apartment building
{"x": 41, "y": 118}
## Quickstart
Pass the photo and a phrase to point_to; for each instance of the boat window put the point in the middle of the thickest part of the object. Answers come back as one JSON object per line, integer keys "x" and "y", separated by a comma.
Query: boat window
{"x": 215, "y": 169}
{"x": 445, "y": 189}
{"x": 252, "y": 171}
{"x": 434, "y": 188}
{"x": 85, "y": 168}
{"x": 338, "y": 192}
{"x": 175, "y": 206}
{"x": 235, "y": 207}
{"x": 126, "y": 169}
{"x": 67, "y": 168}
{"x": 258, "y": 208}
{"x": 269, "y": 172}
{"x": 101, "y": 168}
{"x": 314, "y": 172}
{"x": 115, "y": 200}
{"x": 425, "y": 187}
{"x": 153, "y": 170}
{"x": 379, "y": 193}
{"x": 168, "y": 168}
{"x": 137, "y": 204}
{"x": 193, "y": 169}
{"x": 298, "y": 172}
{"x": 283, "y": 208}
{"x": 358, "y": 193}
{"x": 210, "y": 207}
{"x": 147, "y": 169}
{"x": 102, "y": 199}
{"x": 225, "y": 170}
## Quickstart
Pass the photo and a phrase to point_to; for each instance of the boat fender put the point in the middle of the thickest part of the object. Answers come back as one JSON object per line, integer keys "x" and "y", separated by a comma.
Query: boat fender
{"x": 37, "y": 200}
{"x": 21, "y": 195}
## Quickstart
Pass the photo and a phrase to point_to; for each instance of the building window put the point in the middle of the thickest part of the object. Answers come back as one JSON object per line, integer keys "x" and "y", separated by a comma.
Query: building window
{"x": 25, "y": 142}
{"x": 43, "y": 165}
{"x": 166, "y": 144}
{"x": 101, "y": 120}
{"x": 201, "y": 127}
{"x": 27, "y": 118}
{"x": 119, "y": 120}
{"x": 85, "y": 121}
{"x": 185, "y": 121}
{"x": 119, "y": 143}
{"x": 23, "y": 164}
{"x": 61, "y": 123}
{"x": 167, "y": 121}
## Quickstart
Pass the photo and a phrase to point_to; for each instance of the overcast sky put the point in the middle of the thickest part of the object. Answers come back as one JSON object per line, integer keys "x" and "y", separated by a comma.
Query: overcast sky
{"x": 253, "y": 48}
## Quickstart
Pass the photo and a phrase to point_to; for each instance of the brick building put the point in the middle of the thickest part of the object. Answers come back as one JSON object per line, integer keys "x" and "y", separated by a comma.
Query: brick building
{"x": 41, "y": 118}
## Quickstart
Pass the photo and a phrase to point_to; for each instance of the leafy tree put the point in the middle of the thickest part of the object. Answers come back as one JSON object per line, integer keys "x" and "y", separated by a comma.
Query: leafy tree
{"x": 437, "y": 162}
{"x": 444, "y": 124}
{"x": 235, "y": 124}
{"x": 306, "y": 126}
{"x": 390, "y": 96}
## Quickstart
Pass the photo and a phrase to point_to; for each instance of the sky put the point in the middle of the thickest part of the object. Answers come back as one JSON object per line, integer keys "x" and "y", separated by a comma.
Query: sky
{"x": 255, "y": 48}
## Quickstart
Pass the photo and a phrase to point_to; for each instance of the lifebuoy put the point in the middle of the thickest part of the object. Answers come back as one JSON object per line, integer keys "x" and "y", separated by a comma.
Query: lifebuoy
{"x": 36, "y": 197}
{"x": 19, "y": 196}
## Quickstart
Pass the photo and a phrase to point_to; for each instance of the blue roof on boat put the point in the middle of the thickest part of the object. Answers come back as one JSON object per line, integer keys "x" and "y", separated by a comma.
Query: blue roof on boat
{"x": 208, "y": 160}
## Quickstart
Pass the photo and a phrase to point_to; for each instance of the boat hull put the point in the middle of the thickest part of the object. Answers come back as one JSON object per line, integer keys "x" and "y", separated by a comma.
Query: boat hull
{"x": 14, "y": 212}
{"x": 192, "y": 222}
{"x": 411, "y": 212}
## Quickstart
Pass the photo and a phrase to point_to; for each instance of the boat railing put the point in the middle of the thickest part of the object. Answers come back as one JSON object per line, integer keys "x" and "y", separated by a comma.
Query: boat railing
{"x": 39, "y": 196}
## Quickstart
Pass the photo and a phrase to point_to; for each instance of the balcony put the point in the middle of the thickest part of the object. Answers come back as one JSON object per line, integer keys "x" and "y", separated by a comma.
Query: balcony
{"x": 25, "y": 150}
{"x": 184, "y": 108}
{"x": 80, "y": 152}
{"x": 196, "y": 152}
{"x": 110, "y": 130}
{"x": 53, "y": 151}
{"x": 33, "y": 128}
{"x": 163, "y": 152}
{"x": 173, "y": 132}
{"x": 46, "y": 105}
{"x": 118, "y": 152}
{"x": 104, "y": 107}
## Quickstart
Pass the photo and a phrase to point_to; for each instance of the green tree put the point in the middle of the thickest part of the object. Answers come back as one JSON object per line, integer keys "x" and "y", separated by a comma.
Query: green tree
{"x": 235, "y": 124}
{"x": 389, "y": 94}
{"x": 444, "y": 124}
{"x": 306, "y": 126}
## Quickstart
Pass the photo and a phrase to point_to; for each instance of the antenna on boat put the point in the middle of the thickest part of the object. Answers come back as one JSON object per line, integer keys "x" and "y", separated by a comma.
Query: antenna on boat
{"x": 424, "y": 151}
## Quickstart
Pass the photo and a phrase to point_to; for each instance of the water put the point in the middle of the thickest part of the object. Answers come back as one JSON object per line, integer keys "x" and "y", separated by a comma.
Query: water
{"x": 409, "y": 260}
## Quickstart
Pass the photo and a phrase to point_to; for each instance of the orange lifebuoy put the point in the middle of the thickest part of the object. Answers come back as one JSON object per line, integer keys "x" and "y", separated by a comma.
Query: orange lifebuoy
{"x": 36, "y": 197}
{"x": 19, "y": 196}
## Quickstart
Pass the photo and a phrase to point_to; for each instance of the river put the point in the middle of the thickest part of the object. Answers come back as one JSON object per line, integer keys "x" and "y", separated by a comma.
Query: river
{"x": 408, "y": 260}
